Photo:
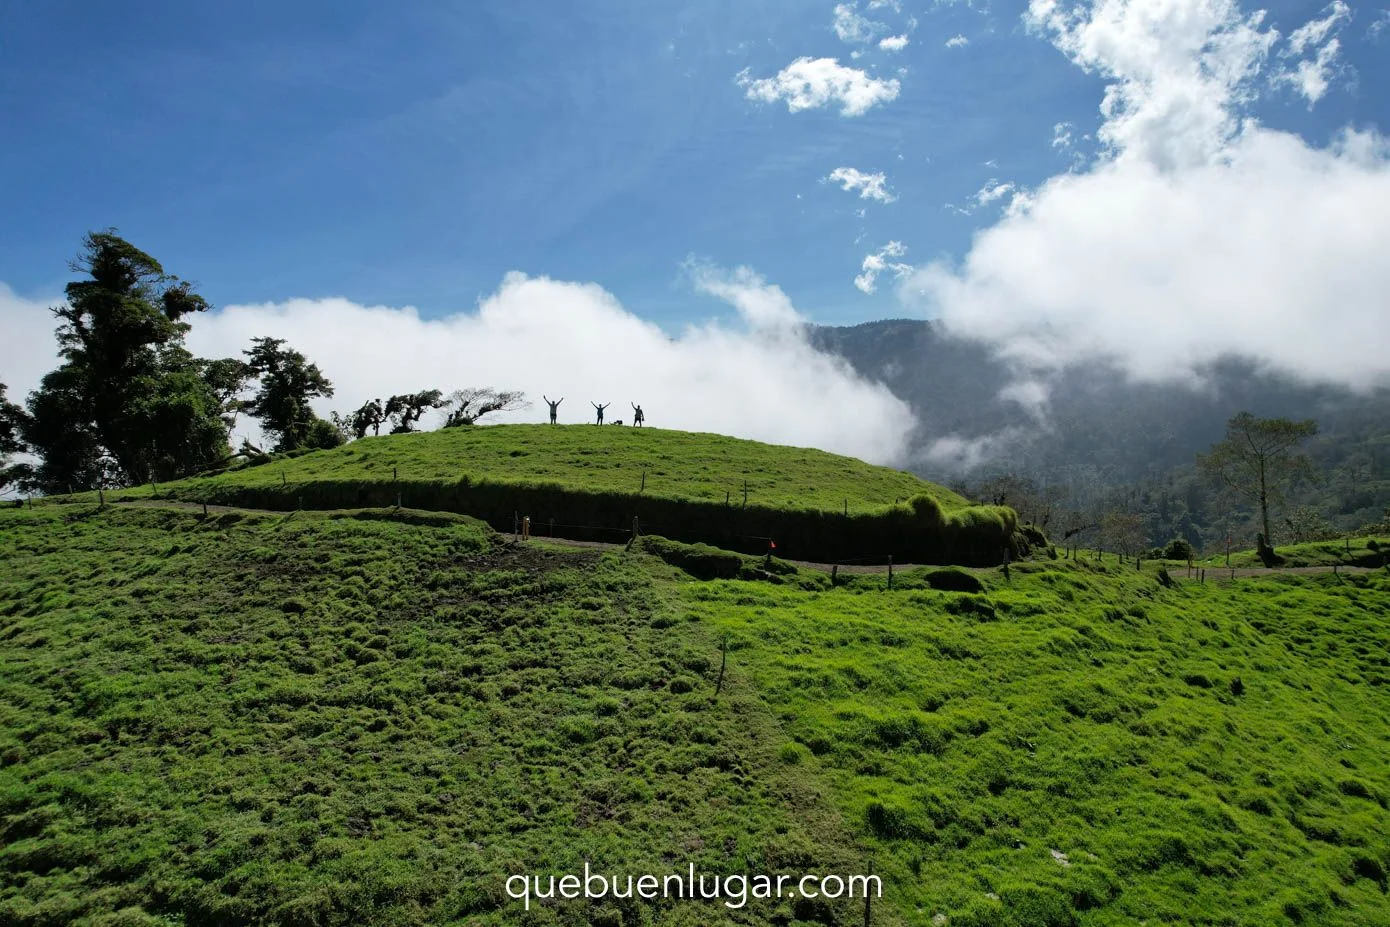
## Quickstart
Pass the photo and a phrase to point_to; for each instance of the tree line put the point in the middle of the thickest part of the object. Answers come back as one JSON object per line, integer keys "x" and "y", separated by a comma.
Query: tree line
{"x": 129, "y": 404}
{"x": 1241, "y": 488}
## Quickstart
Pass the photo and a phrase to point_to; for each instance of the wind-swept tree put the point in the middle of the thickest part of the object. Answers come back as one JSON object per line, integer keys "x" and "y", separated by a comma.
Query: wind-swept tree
{"x": 127, "y": 388}
{"x": 287, "y": 381}
{"x": 1259, "y": 459}
{"x": 370, "y": 415}
{"x": 404, "y": 410}
{"x": 466, "y": 406}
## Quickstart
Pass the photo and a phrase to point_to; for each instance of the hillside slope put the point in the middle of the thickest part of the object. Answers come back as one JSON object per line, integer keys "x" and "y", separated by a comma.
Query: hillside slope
{"x": 304, "y": 720}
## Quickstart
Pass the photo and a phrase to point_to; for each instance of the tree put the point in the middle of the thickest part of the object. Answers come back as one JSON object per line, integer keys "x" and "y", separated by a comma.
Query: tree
{"x": 466, "y": 406}
{"x": 126, "y": 387}
{"x": 370, "y": 415}
{"x": 404, "y": 411}
{"x": 12, "y": 421}
{"x": 287, "y": 381}
{"x": 1258, "y": 460}
{"x": 1123, "y": 532}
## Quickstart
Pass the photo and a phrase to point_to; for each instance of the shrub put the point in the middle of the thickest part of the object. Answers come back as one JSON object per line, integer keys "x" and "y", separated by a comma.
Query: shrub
{"x": 699, "y": 560}
{"x": 953, "y": 581}
{"x": 1178, "y": 549}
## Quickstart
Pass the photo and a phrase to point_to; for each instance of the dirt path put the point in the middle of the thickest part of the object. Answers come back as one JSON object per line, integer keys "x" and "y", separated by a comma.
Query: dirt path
{"x": 1214, "y": 573}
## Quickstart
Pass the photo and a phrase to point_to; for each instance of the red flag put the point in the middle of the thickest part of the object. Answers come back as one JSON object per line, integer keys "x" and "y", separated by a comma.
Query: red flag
{"x": 772, "y": 544}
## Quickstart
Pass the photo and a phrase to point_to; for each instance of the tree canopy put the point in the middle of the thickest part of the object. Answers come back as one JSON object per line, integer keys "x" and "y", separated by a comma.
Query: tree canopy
{"x": 128, "y": 403}
{"x": 287, "y": 381}
{"x": 1258, "y": 460}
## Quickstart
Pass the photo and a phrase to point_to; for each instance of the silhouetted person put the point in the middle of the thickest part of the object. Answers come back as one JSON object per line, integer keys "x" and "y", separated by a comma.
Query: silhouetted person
{"x": 600, "y": 409}
{"x": 553, "y": 406}
{"x": 637, "y": 415}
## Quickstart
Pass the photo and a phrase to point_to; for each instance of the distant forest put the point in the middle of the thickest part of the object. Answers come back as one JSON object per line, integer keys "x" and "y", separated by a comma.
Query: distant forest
{"x": 1111, "y": 447}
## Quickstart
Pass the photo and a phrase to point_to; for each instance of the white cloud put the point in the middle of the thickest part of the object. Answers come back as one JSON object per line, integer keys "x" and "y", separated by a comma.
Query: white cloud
{"x": 1061, "y": 135}
{"x": 1179, "y": 69}
{"x": 960, "y": 454}
{"x": 28, "y": 350}
{"x": 810, "y": 83}
{"x": 1311, "y": 77}
{"x": 894, "y": 5}
{"x": 893, "y": 43}
{"x": 879, "y": 262}
{"x": 1315, "y": 32}
{"x": 852, "y": 27}
{"x": 991, "y": 191}
{"x": 1379, "y": 25}
{"x": 1163, "y": 257}
{"x": 757, "y": 379}
{"x": 870, "y": 186}
{"x": 957, "y": 41}
{"x": 1166, "y": 255}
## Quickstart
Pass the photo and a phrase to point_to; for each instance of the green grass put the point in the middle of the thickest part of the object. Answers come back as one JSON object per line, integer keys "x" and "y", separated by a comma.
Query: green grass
{"x": 677, "y": 464}
{"x": 1355, "y": 551}
{"x": 375, "y": 717}
{"x": 1212, "y": 755}
{"x": 305, "y": 720}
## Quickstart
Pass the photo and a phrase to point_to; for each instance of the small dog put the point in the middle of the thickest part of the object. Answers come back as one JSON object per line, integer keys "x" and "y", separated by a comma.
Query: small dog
{"x": 616, "y": 421}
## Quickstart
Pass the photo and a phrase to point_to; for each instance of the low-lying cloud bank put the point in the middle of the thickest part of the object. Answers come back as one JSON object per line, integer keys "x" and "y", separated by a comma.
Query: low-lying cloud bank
{"x": 758, "y": 378}
{"x": 1275, "y": 253}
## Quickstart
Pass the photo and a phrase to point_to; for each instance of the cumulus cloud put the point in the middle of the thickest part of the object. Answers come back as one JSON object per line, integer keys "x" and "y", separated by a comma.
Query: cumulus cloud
{"x": 879, "y": 262}
{"x": 851, "y": 26}
{"x": 1178, "y": 70}
{"x": 1312, "y": 76}
{"x": 1061, "y": 135}
{"x": 957, "y": 41}
{"x": 1379, "y": 25}
{"x": 810, "y": 83}
{"x": 870, "y": 186}
{"x": 893, "y": 43}
{"x": 1171, "y": 252}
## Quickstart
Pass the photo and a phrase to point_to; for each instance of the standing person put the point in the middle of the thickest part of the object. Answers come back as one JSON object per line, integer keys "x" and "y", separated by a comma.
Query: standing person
{"x": 553, "y": 406}
{"x": 600, "y": 409}
{"x": 637, "y": 416}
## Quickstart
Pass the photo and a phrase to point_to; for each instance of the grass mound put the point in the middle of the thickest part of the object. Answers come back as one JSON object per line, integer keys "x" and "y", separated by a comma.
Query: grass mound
{"x": 591, "y": 483}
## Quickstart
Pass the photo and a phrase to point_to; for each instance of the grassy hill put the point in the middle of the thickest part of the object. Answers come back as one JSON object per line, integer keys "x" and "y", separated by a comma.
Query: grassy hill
{"x": 376, "y": 716}
{"x": 582, "y": 481}
{"x": 676, "y": 464}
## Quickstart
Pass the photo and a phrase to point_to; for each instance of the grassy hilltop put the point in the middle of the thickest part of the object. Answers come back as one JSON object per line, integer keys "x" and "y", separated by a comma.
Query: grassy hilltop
{"x": 677, "y": 464}
{"x": 591, "y": 483}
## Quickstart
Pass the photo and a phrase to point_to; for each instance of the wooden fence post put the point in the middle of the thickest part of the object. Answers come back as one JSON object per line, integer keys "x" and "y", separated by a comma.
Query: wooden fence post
{"x": 890, "y": 571}
{"x": 723, "y": 662}
{"x": 834, "y": 574}
{"x": 644, "y": 482}
{"x": 745, "y": 492}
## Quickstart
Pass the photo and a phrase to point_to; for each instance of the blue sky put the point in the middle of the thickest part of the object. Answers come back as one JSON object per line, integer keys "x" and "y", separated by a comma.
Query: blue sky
{"x": 661, "y": 173}
{"x": 412, "y": 154}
